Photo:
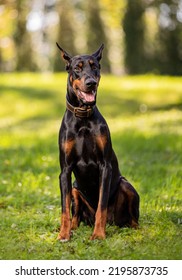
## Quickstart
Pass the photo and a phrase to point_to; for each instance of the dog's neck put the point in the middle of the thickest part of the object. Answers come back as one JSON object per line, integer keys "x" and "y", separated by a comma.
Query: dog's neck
{"x": 80, "y": 112}
{"x": 77, "y": 107}
{"x": 71, "y": 97}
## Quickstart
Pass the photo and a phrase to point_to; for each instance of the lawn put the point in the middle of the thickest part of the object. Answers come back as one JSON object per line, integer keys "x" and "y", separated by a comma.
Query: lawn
{"x": 145, "y": 118}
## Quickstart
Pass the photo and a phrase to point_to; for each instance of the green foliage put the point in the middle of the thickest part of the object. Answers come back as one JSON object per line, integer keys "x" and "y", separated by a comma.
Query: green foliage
{"x": 65, "y": 34}
{"x": 170, "y": 42}
{"x": 140, "y": 36}
{"x": 153, "y": 37}
{"x": 145, "y": 118}
{"x": 133, "y": 25}
{"x": 22, "y": 39}
{"x": 96, "y": 36}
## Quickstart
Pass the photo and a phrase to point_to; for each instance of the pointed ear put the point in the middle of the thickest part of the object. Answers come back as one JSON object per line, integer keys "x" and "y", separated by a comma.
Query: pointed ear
{"x": 65, "y": 56}
{"x": 98, "y": 53}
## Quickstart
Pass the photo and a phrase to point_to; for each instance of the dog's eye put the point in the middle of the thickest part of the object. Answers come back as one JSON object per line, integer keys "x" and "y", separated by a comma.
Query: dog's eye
{"x": 94, "y": 67}
{"x": 77, "y": 69}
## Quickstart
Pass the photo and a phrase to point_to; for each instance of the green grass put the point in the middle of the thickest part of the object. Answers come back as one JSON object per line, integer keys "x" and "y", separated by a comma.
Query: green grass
{"x": 145, "y": 118}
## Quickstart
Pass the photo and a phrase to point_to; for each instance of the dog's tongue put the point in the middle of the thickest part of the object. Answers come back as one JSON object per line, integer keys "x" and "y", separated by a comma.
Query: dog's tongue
{"x": 88, "y": 97}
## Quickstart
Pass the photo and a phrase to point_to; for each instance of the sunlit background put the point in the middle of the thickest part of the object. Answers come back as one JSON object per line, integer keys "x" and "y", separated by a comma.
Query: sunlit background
{"x": 140, "y": 36}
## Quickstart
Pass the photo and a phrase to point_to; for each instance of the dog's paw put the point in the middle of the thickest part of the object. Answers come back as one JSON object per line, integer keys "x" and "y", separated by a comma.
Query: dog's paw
{"x": 100, "y": 236}
{"x": 63, "y": 237}
{"x": 134, "y": 224}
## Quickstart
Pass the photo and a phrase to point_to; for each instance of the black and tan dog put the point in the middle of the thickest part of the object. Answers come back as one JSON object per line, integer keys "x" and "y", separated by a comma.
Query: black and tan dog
{"x": 99, "y": 194}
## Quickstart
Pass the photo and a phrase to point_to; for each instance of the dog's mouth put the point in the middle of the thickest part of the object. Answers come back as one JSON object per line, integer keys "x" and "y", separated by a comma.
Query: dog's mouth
{"x": 88, "y": 97}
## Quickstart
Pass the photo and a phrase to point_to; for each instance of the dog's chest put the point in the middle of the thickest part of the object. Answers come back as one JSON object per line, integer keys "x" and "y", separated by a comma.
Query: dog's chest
{"x": 86, "y": 143}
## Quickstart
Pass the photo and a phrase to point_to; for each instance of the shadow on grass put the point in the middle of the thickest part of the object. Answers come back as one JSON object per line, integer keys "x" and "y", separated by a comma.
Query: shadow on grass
{"x": 151, "y": 161}
{"x": 33, "y": 93}
{"x": 31, "y": 202}
{"x": 113, "y": 106}
{"x": 167, "y": 107}
{"x": 27, "y": 92}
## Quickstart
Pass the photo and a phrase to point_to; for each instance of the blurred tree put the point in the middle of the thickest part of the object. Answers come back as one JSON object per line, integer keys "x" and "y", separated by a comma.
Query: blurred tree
{"x": 65, "y": 35}
{"x": 22, "y": 39}
{"x": 111, "y": 16}
{"x": 8, "y": 15}
{"x": 96, "y": 35}
{"x": 150, "y": 37}
{"x": 152, "y": 32}
{"x": 153, "y": 44}
{"x": 169, "y": 55}
{"x": 133, "y": 25}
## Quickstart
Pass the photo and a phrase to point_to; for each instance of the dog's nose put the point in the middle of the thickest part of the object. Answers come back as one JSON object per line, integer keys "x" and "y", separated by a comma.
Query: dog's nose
{"x": 90, "y": 82}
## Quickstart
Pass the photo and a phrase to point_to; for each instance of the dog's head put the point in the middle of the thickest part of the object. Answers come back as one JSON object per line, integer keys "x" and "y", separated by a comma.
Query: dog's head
{"x": 84, "y": 74}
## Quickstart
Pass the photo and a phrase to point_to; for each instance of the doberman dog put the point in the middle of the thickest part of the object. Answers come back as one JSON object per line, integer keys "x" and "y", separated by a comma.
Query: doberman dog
{"x": 100, "y": 194}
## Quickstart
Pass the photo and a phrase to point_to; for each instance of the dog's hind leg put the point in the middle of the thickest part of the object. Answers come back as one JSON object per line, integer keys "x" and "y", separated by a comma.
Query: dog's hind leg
{"x": 126, "y": 212}
{"x": 81, "y": 209}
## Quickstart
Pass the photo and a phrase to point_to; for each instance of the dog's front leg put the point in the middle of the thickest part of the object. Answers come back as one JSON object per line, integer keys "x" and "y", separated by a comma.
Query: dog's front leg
{"x": 65, "y": 187}
{"x": 101, "y": 213}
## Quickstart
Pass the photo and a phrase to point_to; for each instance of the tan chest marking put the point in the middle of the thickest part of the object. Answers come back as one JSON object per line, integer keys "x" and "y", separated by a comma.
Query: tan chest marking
{"x": 68, "y": 146}
{"x": 101, "y": 141}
